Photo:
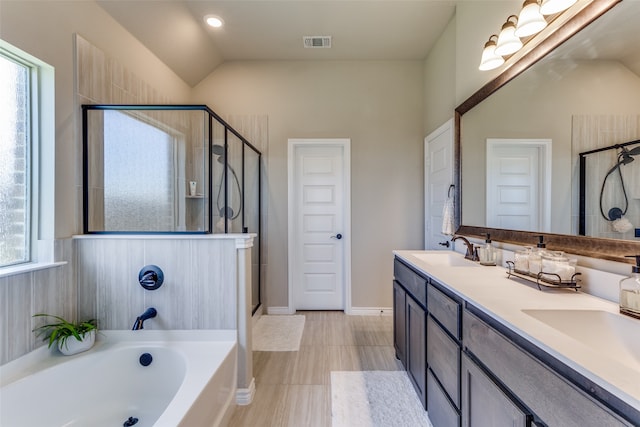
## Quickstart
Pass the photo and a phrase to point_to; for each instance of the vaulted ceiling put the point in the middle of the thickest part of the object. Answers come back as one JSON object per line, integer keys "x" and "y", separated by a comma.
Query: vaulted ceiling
{"x": 175, "y": 31}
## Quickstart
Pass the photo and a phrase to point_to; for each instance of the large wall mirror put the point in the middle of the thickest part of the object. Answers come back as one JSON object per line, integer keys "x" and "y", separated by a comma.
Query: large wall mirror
{"x": 578, "y": 90}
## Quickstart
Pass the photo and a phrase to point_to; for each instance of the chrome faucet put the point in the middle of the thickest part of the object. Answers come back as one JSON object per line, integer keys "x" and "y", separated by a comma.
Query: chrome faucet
{"x": 148, "y": 314}
{"x": 472, "y": 252}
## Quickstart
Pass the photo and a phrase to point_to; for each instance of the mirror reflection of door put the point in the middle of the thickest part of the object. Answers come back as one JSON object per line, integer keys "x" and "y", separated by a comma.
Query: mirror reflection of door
{"x": 438, "y": 176}
{"x": 518, "y": 184}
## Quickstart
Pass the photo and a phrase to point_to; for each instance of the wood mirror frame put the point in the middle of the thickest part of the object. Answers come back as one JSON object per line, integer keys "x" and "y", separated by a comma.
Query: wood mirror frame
{"x": 609, "y": 249}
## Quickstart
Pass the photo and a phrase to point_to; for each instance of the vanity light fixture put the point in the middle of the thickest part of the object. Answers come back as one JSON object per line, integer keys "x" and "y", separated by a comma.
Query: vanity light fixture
{"x": 490, "y": 59}
{"x": 549, "y": 7}
{"x": 530, "y": 20}
{"x": 508, "y": 42}
{"x": 214, "y": 21}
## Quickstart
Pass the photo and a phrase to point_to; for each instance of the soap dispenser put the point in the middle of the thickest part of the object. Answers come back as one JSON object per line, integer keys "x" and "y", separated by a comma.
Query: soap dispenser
{"x": 488, "y": 253}
{"x": 630, "y": 291}
{"x": 535, "y": 258}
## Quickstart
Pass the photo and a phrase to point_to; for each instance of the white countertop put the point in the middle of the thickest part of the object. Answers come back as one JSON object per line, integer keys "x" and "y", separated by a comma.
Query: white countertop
{"x": 504, "y": 299}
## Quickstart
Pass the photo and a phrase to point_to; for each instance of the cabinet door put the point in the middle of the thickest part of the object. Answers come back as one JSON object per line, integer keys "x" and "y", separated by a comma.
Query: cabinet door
{"x": 399, "y": 323}
{"x": 484, "y": 403}
{"x": 416, "y": 348}
{"x": 443, "y": 355}
{"x": 441, "y": 411}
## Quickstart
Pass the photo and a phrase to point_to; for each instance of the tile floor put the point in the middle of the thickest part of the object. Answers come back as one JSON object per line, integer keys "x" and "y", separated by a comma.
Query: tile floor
{"x": 293, "y": 388}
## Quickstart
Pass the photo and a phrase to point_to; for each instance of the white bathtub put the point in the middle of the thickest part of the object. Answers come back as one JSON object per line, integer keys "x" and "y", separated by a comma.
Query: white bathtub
{"x": 191, "y": 381}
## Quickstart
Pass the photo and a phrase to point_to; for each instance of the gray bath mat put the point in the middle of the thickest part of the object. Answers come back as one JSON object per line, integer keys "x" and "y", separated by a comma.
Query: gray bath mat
{"x": 375, "y": 399}
{"x": 278, "y": 333}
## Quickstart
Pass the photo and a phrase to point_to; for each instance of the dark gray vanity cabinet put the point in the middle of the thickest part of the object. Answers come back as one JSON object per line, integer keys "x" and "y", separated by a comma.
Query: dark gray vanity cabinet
{"x": 443, "y": 356}
{"x": 471, "y": 370}
{"x": 525, "y": 382}
{"x": 410, "y": 317}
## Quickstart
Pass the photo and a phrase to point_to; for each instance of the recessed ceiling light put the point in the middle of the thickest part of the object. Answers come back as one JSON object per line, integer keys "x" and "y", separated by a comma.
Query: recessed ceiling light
{"x": 213, "y": 21}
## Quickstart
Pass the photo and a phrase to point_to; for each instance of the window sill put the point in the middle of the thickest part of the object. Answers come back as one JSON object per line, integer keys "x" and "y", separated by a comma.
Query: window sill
{"x": 28, "y": 268}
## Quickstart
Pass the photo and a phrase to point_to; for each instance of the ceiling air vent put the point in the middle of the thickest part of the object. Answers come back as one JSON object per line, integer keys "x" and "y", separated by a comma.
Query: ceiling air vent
{"x": 312, "y": 42}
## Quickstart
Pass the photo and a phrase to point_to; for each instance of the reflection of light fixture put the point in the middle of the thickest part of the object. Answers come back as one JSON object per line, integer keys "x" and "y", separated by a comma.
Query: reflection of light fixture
{"x": 508, "y": 42}
{"x": 490, "y": 59}
{"x": 213, "y": 21}
{"x": 549, "y": 7}
{"x": 530, "y": 20}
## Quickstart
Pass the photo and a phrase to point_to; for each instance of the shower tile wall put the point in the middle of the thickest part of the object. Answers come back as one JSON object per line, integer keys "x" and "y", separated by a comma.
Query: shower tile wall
{"x": 50, "y": 291}
{"x": 101, "y": 79}
{"x": 594, "y": 131}
{"x": 199, "y": 290}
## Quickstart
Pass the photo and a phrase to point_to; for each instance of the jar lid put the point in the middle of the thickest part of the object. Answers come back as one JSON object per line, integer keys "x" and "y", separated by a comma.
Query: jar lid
{"x": 557, "y": 256}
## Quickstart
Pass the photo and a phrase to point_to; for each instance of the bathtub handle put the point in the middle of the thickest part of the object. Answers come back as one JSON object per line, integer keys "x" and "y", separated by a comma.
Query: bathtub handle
{"x": 151, "y": 277}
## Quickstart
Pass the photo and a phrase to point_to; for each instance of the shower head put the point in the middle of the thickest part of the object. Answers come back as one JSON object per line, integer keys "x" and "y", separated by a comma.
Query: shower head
{"x": 218, "y": 150}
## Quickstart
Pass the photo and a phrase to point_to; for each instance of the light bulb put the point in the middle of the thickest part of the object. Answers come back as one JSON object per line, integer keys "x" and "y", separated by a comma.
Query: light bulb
{"x": 490, "y": 59}
{"x": 549, "y": 7}
{"x": 508, "y": 42}
{"x": 530, "y": 20}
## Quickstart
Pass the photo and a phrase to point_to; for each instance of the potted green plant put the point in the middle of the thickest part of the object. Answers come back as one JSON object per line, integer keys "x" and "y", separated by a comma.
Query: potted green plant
{"x": 71, "y": 338}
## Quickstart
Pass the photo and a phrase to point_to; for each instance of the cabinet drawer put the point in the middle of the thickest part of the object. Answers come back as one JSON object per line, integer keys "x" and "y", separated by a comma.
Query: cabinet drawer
{"x": 443, "y": 356}
{"x": 445, "y": 309}
{"x": 415, "y": 284}
{"x": 549, "y": 396}
{"x": 441, "y": 412}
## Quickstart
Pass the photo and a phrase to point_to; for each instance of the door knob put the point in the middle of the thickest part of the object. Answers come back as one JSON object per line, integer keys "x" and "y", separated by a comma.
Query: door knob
{"x": 337, "y": 236}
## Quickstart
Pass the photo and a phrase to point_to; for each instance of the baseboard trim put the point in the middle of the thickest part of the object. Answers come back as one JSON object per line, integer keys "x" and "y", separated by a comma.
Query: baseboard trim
{"x": 279, "y": 310}
{"x": 244, "y": 396}
{"x": 371, "y": 311}
{"x": 256, "y": 316}
{"x": 355, "y": 311}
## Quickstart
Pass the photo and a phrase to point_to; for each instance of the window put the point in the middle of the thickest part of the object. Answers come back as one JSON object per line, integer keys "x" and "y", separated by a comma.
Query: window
{"x": 140, "y": 198}
{"x": 26, "y": 159}
{"x": 15, "y": 148}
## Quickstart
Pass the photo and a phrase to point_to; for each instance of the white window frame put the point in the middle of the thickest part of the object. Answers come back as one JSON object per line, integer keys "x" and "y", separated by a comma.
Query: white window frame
{"x": 42, "y": 162}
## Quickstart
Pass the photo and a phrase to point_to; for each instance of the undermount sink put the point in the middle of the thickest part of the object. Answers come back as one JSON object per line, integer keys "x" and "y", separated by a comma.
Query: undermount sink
{"x": 610, "y": 333}
{"x": 444, "y": 258}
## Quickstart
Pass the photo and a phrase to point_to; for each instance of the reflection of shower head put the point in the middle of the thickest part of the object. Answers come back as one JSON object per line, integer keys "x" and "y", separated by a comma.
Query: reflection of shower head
{"x": 625, "y": 159}
{"x": 625, "y": 156}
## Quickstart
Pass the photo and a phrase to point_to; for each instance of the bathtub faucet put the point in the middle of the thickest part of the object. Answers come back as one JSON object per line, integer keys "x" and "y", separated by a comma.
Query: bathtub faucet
{"x": 148, "y": 314}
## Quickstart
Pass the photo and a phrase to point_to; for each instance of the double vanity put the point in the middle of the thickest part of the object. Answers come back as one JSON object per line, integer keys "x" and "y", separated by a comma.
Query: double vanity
{"x": 482, "y": 349}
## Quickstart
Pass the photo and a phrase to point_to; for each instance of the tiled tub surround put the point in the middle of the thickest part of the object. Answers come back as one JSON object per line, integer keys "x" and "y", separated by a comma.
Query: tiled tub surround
{"x": 515, "y": 305}
{"x": 207, "y": 285}
{"x": 49, "y": 290}
{"x": 190, "y": 381}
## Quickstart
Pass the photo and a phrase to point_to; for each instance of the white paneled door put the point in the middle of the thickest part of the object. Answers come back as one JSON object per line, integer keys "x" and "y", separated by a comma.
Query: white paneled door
{"x": 317, "y": 224}
{"x": 438, "y": 179}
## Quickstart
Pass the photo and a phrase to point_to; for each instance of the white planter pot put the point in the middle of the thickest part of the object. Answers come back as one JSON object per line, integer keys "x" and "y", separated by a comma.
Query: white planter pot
{"x": 73, "y": 346}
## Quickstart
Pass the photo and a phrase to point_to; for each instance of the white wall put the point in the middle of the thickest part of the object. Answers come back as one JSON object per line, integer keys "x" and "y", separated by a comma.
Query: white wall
{"x": 376, "y": 104}
{"x": 439, "y": 81}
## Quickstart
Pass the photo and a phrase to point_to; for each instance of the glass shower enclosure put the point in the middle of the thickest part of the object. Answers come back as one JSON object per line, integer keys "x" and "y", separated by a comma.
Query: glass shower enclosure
{"x": 167, "y": 169}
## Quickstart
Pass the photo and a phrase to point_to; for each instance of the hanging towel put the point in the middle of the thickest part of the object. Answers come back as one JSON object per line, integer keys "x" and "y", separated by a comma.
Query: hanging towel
{"x": 448, "y": 227}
